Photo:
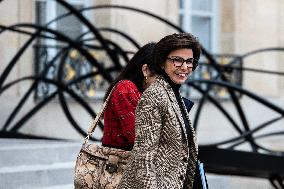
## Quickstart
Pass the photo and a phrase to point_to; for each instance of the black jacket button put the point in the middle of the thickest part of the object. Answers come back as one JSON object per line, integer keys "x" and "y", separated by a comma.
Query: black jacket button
{"x": 184, "y": 159}
{"x": 181, "y": 177}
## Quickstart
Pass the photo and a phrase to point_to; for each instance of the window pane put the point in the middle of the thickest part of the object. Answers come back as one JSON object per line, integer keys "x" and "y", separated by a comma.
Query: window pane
{"x": 181, "y": 20}
{"x": 69, "y": 25}
{"x": 181, "y": 4}
{"x": 40, "y": 16}
{"x": 40, "y": 12}
{"x": 201, "y": 27}
{"x": 202, "y": 5}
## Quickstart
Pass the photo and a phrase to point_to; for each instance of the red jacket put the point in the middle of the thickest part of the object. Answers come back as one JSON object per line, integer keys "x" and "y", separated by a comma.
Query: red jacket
{"x": 119, "y": 116}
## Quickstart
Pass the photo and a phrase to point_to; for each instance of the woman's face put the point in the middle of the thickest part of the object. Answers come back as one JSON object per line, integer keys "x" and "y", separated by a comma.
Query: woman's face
{"x": 179, "y": 73}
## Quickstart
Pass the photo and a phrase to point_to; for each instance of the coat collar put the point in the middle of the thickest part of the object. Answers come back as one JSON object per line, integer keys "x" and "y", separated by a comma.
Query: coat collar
{"x": 174, "y": 103}
{"x": 177, "y": 110}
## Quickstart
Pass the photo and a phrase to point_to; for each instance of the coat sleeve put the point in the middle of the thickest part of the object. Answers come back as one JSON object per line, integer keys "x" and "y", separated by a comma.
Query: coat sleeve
{"x": 141, "y": 172}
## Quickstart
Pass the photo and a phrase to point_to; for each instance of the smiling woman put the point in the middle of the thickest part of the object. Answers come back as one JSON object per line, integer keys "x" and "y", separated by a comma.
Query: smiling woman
{"x": 175, "y": 67}
{"x": 165, "y": 149}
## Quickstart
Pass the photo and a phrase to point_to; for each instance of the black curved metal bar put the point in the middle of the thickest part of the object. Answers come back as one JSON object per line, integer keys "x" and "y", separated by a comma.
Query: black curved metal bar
{"x": 200, "y": 105}
{"x": 233, "y": 96}
{"x": 90, "y": 26}
{"x": 269, "y": 134}
{"x": 64, "y": 38}
{"x": 256, "y": 70}
{"x": 252, "y": 70}
{"x": 7, "y": 70}
{"x": 243, "y": 91}
{"x": 212, "y": 61}
{"x": 40, "y": 105}
{"x": 258, "y": 137}
{"x": 84, "y": 133}
{"x": 218, "y": 105}
{"x": 10, "y": 65}
{"x": 77, "y": 127}
{"x": 128, "y": 9}
{"x": 237, "y": 105}
{"x": 115, "y": 52}
{"x": 62, "y": 100}
{"x": 263, "y": 50}
{"x": 256, "y": 52}
{"x": 243, "y": 135}
{"x": 121, "y": 33}
{"x": 117, "y": 49}
{"x": 121, "y": 7}
{"x": 61, "y": 95}
{"x": 16, "y": 30}
{"x": 100, "y": 122}
{"x": 28, "y": 93}
{"x": 49, "y": 98}
{"x": 23, "y": 100}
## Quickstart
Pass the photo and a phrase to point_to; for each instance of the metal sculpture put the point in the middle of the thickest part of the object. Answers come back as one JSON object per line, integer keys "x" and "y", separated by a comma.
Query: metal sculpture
{"x": 77, "y": 50}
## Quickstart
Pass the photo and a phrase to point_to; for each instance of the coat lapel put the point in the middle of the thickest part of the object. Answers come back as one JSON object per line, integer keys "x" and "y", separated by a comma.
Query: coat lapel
{"x": 174, "y": 103}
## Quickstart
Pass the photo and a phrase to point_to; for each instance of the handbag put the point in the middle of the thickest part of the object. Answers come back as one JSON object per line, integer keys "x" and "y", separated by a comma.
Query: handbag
{"x": 99, "y": 167}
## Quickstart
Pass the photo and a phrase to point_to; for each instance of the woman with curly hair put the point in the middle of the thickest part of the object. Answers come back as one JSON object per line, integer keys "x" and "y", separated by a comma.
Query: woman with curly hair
{"x": 165, "y": 149}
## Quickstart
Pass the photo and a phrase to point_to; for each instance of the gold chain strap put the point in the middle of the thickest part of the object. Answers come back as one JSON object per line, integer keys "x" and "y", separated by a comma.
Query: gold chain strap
{"x": 96, "y": 120}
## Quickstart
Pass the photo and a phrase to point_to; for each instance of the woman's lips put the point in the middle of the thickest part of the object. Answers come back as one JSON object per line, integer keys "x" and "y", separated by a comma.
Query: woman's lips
{"x": 181, "y": 74}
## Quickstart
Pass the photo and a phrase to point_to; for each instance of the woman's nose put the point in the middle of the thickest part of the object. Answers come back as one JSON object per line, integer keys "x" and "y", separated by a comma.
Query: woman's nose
{"x": 184, "y": 66}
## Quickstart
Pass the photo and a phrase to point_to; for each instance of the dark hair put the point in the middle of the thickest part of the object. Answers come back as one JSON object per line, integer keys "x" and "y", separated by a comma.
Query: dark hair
{"x": 133, "y": 70}
{"x": 173, "y": 42}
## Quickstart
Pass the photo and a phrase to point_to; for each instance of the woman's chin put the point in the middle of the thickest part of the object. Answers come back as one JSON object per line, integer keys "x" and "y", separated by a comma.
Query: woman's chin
{"x": 179, "y": 81}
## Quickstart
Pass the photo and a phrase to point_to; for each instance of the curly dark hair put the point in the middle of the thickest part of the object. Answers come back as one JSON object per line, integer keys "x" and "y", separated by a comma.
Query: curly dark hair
{"x": 173, "y": 42}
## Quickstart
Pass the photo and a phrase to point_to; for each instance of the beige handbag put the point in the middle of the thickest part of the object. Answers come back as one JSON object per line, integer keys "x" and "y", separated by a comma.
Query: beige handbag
{"x": 99, "y": 167}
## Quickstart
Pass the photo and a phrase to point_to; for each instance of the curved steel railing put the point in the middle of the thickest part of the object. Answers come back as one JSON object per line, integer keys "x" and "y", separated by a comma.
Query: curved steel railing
{"x": 118, "y": 56}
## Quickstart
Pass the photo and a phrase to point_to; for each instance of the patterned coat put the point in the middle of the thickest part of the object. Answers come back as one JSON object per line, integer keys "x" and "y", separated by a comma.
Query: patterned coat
{"x": 162, "y": 156}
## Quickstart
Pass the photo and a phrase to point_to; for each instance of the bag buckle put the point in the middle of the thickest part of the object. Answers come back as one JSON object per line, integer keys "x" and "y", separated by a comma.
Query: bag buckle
{"x": 111, "y": 168}
{"x": 112, "y": 164}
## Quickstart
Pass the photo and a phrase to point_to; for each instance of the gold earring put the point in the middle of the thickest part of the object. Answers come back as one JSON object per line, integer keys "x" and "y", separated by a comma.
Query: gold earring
{"x": 145, "y": 82}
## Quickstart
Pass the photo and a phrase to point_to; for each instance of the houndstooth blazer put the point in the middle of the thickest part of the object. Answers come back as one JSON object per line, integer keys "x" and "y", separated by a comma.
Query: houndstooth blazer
{"x": 162, "y": 157}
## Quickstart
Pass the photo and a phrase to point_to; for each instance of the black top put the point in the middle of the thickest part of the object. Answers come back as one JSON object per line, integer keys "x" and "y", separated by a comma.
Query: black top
{"x": 188, "y": 104}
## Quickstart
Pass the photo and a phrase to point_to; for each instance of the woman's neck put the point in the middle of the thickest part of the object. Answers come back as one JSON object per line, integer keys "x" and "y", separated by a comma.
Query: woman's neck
{"x": 174, "y": 86}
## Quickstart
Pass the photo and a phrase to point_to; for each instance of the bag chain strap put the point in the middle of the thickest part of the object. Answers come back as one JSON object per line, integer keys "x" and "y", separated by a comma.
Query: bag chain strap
{"x": 96, "y": 120}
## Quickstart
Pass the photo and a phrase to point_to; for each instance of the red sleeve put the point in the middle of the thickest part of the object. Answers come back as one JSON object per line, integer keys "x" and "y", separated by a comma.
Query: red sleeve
{"x": 124, "y": 100}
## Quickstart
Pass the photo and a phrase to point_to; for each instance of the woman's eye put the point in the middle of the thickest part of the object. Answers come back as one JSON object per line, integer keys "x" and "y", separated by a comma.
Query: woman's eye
{"x": 179, "y": 60}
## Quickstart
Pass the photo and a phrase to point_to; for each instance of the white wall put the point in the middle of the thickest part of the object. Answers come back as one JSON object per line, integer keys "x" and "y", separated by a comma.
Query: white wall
{"x": 259, "y": 25}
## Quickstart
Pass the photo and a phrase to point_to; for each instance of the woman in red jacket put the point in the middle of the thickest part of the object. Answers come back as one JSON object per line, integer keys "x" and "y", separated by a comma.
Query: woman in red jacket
{"x": 119, "y": 115}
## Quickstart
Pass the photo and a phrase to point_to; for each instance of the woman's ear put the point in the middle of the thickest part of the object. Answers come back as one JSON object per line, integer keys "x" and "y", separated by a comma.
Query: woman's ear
{"x": 145, "y": 70}
{"x": 162, "y": 66}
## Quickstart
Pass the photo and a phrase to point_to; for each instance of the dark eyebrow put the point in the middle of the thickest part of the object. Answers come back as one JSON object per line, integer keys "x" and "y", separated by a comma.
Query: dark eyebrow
{"x": 175, "y": 57}
{"x": 181, "y": 57}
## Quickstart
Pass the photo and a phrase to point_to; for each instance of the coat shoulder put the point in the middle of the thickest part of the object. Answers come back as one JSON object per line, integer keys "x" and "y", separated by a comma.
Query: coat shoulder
{"x": 156, "y": 93}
